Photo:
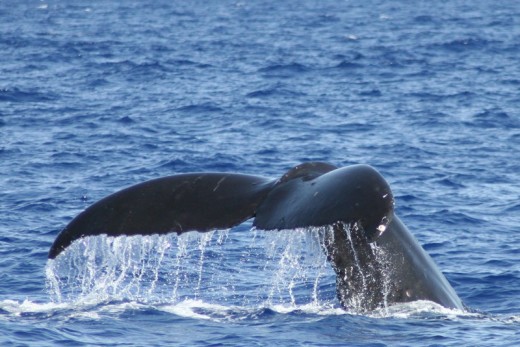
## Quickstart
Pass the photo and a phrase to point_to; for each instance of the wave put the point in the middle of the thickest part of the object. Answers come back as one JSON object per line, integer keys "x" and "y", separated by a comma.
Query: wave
{"x": 26, "y": 95}
{"x": 283, "y": 70}
{"x": 199, "y": 309}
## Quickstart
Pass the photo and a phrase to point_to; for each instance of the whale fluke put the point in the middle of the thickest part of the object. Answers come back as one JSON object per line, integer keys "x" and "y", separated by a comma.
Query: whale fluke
{"x": 376, "y": 259}
{"x": 177, "y": 204}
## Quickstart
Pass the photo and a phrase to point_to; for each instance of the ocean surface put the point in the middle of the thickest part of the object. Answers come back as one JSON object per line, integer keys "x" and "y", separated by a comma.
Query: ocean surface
{"x": 96, "y": 96}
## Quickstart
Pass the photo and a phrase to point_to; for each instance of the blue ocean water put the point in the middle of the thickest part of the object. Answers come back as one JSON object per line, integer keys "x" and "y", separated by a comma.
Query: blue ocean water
{"x": 96, "y": 96}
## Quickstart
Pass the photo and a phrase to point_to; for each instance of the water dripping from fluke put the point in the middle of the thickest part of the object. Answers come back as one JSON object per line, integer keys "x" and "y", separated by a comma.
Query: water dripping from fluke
{"x": 284, "y": 271}
{"x": 248, "y": 270}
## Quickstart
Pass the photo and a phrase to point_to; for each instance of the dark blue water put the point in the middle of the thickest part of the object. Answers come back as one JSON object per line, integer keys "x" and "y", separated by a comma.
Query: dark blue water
{"x": 96, "y": 96}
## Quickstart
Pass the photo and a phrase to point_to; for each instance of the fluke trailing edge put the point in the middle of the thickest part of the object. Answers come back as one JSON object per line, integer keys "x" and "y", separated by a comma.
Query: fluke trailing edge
{"x": 376, "y": 259}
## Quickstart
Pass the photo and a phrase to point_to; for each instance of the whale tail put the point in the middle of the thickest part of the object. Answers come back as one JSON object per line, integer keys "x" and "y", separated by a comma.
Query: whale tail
{"x": 376, "y": 259}
{"x": 177, "y": 203}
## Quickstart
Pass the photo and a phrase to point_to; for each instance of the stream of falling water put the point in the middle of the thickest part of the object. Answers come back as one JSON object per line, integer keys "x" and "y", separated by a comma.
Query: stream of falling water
{"x": 239, "y": 268}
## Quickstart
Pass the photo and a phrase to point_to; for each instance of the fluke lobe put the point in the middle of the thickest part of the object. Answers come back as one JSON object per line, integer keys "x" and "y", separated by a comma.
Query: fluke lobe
{"x": 376, "y": 259}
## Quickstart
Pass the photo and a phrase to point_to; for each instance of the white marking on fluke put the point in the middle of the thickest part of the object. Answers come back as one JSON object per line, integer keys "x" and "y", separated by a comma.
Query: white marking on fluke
{"x": 381, "y": 229}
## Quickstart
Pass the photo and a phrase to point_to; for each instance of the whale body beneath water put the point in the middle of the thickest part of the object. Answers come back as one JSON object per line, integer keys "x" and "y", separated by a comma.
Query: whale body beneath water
{"x": 376, "y": 259}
